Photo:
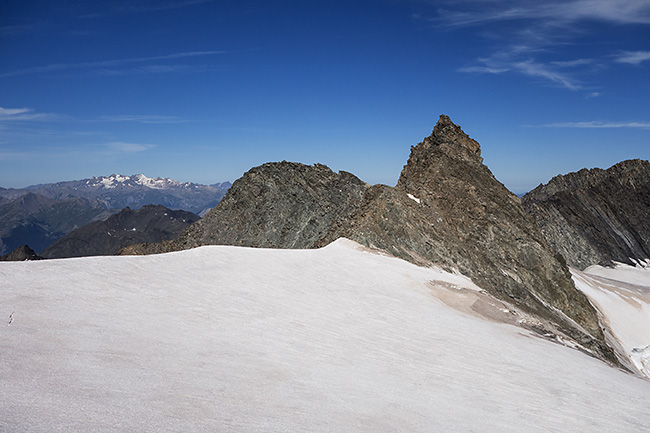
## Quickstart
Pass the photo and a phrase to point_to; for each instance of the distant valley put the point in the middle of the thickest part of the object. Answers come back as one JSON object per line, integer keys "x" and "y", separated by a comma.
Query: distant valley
{"x": 150, "y": 223}
{"x": 39, "y": 215}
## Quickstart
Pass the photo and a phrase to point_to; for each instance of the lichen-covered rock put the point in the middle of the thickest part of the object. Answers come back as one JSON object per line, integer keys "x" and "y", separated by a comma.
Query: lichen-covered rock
{"x": 596, "y": 216}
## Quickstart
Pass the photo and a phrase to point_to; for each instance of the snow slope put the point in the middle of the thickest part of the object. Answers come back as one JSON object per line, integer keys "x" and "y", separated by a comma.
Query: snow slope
{"x": 622, "y": 296}
{"x": 247, "y": 340}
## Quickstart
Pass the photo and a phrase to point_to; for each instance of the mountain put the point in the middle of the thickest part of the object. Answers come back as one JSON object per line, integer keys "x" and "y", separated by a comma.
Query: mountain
{"x": 20, "y": 254}
{"x": 447, "y": 209}
{"x": 38, "y": 221}
{"x": 40, "y": 214}
{"x": 117, "y": 192}
{"x": 337, "y": 339}
{"x": 596, "y": 216}
{"x": 152, "y": 223}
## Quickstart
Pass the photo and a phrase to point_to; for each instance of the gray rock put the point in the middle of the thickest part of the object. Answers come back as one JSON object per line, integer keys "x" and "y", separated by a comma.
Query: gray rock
{"x": 596, "y": 216}
{"x": 446, "y": 209}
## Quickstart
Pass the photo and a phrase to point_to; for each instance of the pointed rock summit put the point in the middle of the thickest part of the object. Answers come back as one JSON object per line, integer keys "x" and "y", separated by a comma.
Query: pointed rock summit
{"x": 450, "y": 138}
{"x": 447, "y": 209}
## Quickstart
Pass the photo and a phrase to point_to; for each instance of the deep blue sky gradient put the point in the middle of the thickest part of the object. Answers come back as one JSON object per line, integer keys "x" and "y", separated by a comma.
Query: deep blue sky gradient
{"x": 200, "y": 90}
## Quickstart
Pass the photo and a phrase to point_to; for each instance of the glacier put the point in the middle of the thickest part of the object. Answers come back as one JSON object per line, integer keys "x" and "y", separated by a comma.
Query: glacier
{"x": 234, "y": 339}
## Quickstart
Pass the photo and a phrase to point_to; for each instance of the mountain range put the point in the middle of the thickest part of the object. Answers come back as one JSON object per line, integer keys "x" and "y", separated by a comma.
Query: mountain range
{"x": 40, "y": 214}
{"x": 117, "y": 192}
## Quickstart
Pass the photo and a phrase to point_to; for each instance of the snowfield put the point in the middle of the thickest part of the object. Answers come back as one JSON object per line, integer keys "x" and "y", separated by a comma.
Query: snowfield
{"x": 622, "y": 296}
{"x": 338, "y": 339}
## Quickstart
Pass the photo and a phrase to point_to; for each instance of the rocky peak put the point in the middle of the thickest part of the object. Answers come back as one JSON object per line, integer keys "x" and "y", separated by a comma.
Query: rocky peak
{"x": 447, "y": 209}
{"x": 446, "y": 143}
{"x": 20, "y": 254}
{"x": 450, "y": 137}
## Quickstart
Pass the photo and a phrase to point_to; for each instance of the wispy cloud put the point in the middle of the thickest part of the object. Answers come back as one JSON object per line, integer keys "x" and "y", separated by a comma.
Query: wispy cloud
{"x": 123, "y": 147}
{"x": 633, "y": 57}
{"x": 141, "y": 6}
{"x": 558, "y": 12}
{"x": 530, "y": 33}
{"x": 106, "y": 64}
{"x": 536, "y": 69}
{"x": 599, "y": 124}
{"x": 142, "y": 118}
{"x": 23, "y": 114}
{"x": 509, "y": 62}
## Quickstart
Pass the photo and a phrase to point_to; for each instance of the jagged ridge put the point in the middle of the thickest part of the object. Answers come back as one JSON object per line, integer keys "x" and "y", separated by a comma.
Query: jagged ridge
{"x": 447, "y": 208}
{"x": 596, "y": 216}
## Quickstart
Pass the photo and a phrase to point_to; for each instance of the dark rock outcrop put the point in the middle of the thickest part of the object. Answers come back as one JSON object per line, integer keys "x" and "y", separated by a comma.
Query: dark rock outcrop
{"x": 596, "y": 216}
{"x": 20, "y": 254}
{"x": 152, "y": 223}
{"x": 446, "y": 209}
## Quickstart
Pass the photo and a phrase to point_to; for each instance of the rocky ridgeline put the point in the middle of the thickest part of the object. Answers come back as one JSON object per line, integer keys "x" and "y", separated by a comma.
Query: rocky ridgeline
{"x": 151, "y": 223}
{"x": 596, "y": 216}
{"x": 447, "y": 209}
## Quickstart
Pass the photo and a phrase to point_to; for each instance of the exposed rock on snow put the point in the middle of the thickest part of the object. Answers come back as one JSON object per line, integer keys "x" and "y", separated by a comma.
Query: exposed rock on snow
{"x": 622, "y": 296}
{"x": 463, "y": 219}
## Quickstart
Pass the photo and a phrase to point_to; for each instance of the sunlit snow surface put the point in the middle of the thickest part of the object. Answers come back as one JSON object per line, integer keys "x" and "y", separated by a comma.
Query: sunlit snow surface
{"x": 249, "y": 340}
{"x": 622, "y": 295}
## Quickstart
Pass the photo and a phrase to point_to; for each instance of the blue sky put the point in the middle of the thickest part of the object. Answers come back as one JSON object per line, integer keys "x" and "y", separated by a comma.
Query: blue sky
{"x": 201, "y": 91}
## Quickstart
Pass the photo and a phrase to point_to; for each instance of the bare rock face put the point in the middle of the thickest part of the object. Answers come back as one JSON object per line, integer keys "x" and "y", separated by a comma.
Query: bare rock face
{"x": 447, "y": 209}
{"x": 275, "y": 205}
{"x": 596, "y": 216}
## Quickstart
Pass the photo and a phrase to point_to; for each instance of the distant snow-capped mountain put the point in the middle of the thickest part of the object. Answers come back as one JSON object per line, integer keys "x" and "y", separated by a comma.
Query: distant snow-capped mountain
{"x": 136, "y": 180}
{"x": 40, "y": 214}
{"x": 118, "y": 191}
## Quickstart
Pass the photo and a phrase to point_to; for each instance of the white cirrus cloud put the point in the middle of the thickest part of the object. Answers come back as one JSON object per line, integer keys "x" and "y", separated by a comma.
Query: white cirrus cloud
{"x": 553, "y": 12}
{"x": 21, "y": 114}
{"x": 141, "y": 118}
{"x": 124, "y": 147}
{"x": 633, "y": 57}
{"x": 6, "y": 112}
{"x": 599, "y": 124}
{"x": 530, "y": 37}
{"x": 106, "y": 65}
{"x": 505, "y": 62}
